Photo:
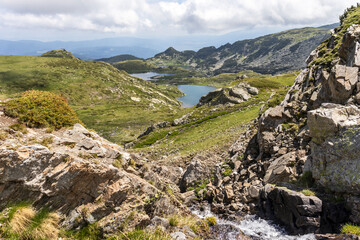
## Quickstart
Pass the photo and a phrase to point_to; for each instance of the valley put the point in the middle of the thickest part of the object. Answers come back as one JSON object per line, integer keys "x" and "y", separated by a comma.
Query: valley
{"x": 258, "y": 139}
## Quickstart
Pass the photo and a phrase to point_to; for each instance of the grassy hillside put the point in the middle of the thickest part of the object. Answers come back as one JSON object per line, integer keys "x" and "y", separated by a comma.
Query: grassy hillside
{"x": 217, "y": 81}
{"x": 119, "y": 58}
{"x": 108, "y": 100}
{"x": 215, "y": 128}
{"x": 120, "y": 107}
{"x": 141, "y": 66}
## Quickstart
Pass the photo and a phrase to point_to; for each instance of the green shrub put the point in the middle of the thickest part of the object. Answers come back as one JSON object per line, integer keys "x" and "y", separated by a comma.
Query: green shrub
{"x": 41, "y": 109}
{"x": 47, "y": 141}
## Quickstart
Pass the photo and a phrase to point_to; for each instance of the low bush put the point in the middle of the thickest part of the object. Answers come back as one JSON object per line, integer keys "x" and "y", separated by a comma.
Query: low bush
{"x": 41, "y": 109}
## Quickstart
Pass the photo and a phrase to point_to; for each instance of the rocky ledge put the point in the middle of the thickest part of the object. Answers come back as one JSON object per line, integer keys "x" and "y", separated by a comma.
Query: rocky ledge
{"x": 85, "y": 179}
{"x": 231, "y": 95}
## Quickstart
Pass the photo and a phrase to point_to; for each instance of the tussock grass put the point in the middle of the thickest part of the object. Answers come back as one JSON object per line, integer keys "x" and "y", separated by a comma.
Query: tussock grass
{"x": 143, "y": 235}
{"x": 47, "y": 228}
{"x": 23, "y": 222}
{"x": 197, "y": 225}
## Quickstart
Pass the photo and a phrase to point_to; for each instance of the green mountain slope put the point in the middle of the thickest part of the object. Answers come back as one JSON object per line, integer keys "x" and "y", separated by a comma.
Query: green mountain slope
{"x": 270, "y": 54}
{"x": 118, "y": 58}
{"x": 110, "y": 101}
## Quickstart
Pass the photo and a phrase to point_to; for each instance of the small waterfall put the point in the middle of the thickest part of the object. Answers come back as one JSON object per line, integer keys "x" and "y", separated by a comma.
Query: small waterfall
{"x": 252, "y": 226}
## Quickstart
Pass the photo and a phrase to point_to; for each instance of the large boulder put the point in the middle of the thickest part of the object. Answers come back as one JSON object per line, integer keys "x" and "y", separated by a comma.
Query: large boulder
{"x": 281, "y": 169}
{"x": 194, "y": 174}
{"x": 301, "y": 214}
{"x": 231, "y": 95}
{"x": 336, "y": 147}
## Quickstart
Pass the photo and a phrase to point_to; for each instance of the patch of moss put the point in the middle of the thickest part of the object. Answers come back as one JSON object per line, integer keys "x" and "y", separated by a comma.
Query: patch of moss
{"x": 306, "y": 180}
{"x": 350, "y": 229}
{"x": 308, "y": 192}
{"x": 212, "y": 221}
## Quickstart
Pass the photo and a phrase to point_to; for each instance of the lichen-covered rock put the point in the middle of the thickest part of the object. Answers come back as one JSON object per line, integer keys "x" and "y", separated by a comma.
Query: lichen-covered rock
{"x": 194, "y": 174}
{"x": 281, "y": 169}
{"x": 72, "y": 171}
{"x": 336, "y": 147}
{"x": 329, "y": 119}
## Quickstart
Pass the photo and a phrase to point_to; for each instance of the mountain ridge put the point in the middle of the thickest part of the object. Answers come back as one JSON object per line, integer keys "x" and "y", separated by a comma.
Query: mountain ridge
{"x": 269, "y": 54}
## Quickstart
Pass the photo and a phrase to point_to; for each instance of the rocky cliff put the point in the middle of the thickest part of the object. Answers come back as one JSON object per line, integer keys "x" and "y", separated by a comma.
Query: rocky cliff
{"x": 311, "y": 137}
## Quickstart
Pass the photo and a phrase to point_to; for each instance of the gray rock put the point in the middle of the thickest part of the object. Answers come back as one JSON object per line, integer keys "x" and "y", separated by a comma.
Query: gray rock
{"x": 157, "y": 221}
{"x": 300, "y": 213}
{"x": 178, "y": 236}
{"x": 280, "y": 170}
{"x": 232, "y": 95}
{"x": 194, "y": 173}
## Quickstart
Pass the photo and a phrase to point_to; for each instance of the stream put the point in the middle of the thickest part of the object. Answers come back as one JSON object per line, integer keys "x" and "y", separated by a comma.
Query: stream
{"x": 252, "y": 226}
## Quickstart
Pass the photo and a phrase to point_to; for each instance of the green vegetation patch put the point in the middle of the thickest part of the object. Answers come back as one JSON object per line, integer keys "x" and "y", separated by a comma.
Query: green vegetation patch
{"x": 350, "y": 229}
{"x": 329, "y": 52}
{"x": 115, "y": 104}
{"x": 42, "y": 109}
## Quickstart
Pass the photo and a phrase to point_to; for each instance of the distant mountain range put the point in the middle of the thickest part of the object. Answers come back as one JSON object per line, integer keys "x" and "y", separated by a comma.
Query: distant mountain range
{"x": 270, "y": 54}
{"x": 139, "y": 47}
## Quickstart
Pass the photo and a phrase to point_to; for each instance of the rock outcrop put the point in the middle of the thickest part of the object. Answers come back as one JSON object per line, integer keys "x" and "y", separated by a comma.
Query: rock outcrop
{"x": 59, "y": 53}
{"x": 83, "y": 177}
{"x": 300, "y": 213}
{"x": 314, "y": 129}
{"x": 231, "y": 95}
{"x": 335, "y": 130}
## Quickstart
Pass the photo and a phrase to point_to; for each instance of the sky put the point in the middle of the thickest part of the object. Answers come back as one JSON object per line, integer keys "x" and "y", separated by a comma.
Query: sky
{"x": 49, "y": 20}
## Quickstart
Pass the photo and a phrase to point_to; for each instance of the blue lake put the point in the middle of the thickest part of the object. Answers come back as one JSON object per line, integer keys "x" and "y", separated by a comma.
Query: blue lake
{"x": 148, "y": 75}
{"x": 193, "y": 93}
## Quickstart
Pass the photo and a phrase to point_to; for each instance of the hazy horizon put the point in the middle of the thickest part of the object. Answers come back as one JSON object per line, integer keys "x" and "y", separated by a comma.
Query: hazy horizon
{"x": 69, "y": 20}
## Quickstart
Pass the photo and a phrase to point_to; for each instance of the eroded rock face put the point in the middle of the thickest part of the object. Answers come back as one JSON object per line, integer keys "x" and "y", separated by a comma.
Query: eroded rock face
{"x": 232, "y": 95}
{"x": 193, "y": 175}
{"x": 336, "y": 147}
{"x": 315, "y": 128}
{"x": 75, "y": 175}
{"x": 300, "y": 213}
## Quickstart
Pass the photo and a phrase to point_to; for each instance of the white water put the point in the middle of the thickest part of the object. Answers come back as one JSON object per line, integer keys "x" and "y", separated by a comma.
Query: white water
{"x": 254, "y": 227}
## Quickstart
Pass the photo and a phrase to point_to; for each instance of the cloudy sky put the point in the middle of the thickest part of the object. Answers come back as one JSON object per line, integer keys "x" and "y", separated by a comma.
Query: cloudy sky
{"x": 90, "y": 19}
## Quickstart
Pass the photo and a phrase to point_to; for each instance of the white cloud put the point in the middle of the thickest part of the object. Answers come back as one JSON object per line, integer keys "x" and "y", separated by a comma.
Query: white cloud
{"x": 166, "y": 17}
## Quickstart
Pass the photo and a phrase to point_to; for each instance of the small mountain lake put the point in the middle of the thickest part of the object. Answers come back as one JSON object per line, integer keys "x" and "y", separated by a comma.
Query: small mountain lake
{"x": 193, "y": 93}
{"x": 148, "y": 76}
